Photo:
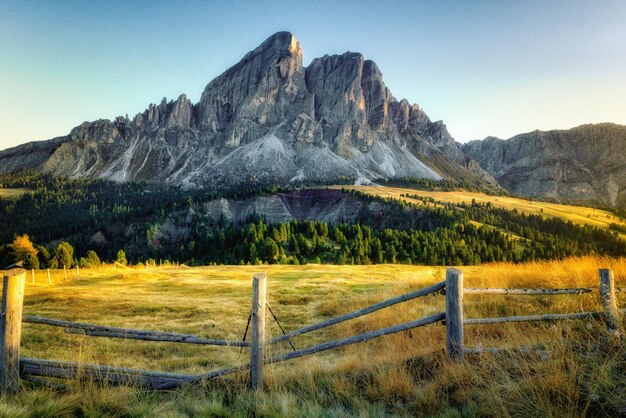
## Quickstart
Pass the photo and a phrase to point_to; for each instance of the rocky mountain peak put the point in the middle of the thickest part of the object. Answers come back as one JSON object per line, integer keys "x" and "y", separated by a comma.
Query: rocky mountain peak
{"x": 258, "y": 90}
{"x": 179, "y": 113}
{"x": 280, "y": 41}
{"x": 377, "y": 96}
{"x": 266, "y": 120}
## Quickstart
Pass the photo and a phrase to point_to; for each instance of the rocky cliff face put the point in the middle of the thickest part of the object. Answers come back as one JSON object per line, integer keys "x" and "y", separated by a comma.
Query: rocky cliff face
{"x": 266, "y": 120}
{"x": 584, "y": 164}
{"x": 331, "y": 206}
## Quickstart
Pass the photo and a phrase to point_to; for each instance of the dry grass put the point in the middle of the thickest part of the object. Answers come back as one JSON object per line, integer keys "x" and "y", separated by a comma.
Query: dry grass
{"x": 403, "y": 374}
{"x": 13, "y": 193}
{"x": 580, "y": 215}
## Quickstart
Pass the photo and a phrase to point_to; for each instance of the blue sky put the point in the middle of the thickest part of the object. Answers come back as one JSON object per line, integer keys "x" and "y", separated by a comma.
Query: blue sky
{"x": 484, "y": 67}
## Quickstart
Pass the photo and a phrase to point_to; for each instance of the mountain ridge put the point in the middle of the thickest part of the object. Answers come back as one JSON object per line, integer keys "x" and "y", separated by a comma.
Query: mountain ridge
{"x": 265, "y": 120}
{"x": 583, "y": 164}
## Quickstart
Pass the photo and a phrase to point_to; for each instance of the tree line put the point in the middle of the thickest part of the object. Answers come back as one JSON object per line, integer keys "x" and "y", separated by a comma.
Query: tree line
{"x": 70, "y": 222}
{"x": 31, "y": 256}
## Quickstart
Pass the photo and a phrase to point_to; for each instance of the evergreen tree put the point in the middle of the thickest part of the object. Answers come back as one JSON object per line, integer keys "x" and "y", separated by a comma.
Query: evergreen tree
{"x": 121, "y": 257}
{"x": 93, "y": 260}
{"x": 63, "y": 256}
{"x": 31, "y": 261}
{"x": 43, "y": 255}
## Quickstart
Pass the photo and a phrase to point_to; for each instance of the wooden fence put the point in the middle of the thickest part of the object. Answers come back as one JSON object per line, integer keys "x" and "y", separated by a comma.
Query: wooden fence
{"x": 13, "y": 367}
{"x": 454, "y": 309}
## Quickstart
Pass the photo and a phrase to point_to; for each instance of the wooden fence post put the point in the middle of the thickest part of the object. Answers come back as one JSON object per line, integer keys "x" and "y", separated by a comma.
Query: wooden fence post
{"x": 609, "y": 302}
{"x": 11, "y": 329}
{"x": 77, "y": 271}
{"x": 32, "y": 275}
{"x": 454, "y": 313}
{"x": 49, "y": 276}
{"x": 257, "y": 349}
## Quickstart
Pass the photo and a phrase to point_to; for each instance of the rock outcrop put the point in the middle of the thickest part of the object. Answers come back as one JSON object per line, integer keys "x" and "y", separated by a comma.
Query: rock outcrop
{"x": 330, "y": 206}
{"x": 583, "y": 164}
{"x": 266, "y": 120}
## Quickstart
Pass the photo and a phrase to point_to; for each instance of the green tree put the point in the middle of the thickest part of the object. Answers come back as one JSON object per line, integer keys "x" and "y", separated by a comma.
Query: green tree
{"x": 63, "y": 256}
{"x": 121, "y": 258}
{"x": 92, "y": 259}
{"x": 43, "y": 255}
{"x": 31, "y": 261}
{"x": 254, "y": 257}
{"x": 271, "y": 248}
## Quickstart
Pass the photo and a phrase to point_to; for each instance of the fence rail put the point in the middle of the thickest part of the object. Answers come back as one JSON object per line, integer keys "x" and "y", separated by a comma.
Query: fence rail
{"x": 365, "y": 311}
{"x": 93, "y": 330}
{"x": 109, "y": 374}
{"x": 12, "y": 367}
{"x": 322, "y": 347}
{"x": 527, "y": 318}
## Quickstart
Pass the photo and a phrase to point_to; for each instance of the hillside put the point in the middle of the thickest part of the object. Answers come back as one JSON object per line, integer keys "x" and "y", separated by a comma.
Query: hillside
{"x": 286, "y": 226}
{"x": 404, "y": 374}
{"x": 266, "y": 121}
{"x": 583, "y": 164}
{"x": 580, "y": 215}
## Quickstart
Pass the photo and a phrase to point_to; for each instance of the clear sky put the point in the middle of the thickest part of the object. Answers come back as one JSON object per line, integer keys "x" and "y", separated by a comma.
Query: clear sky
{"x": 484, "y": 67}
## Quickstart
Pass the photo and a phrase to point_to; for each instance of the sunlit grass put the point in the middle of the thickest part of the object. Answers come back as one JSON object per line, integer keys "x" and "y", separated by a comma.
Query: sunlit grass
{"x": 403, "y": 374}
{"x": 13, "y": 193}
{"x": 580, "y": 215}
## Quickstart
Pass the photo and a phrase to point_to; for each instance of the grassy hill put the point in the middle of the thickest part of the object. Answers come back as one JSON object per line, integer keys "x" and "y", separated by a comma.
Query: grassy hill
{"x": 402, "y": 374}
{"x": 580, "y": 215}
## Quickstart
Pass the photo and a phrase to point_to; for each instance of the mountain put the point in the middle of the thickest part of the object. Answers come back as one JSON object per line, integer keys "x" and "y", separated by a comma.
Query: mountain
{"x": 266, "y": 120}
{"x": 583, "y": 164}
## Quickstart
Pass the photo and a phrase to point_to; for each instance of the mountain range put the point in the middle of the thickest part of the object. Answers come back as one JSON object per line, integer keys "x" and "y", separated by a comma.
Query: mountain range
{"x": 584, "y": 164}
{"x": 268, "y": 120}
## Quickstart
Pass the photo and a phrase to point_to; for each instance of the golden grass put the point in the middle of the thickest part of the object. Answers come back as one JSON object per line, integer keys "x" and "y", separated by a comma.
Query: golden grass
{"x": 13, "y": 193}
{"x": 580, "y": 215}
{"x": 402, "y": 374}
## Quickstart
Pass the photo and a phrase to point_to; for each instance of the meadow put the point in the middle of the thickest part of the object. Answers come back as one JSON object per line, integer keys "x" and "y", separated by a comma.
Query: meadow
{"x": 405, "y": 374}
{"x": 13, "y": 193}
{"x": 580, "y": 215}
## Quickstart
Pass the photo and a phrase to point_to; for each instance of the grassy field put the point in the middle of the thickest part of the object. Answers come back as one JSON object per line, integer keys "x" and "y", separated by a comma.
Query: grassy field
{"x": 12, "y": 193}
{"x": 580, "y": 215}
{"x": 403, "y": 374}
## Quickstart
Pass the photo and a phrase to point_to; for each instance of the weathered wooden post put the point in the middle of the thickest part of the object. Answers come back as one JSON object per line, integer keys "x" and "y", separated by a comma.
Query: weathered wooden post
{"x": 609, "y": 302}
{"x": 77, "y": 272}
{"x": 13, "y": 284}
{"x": 49, "y": 281}
{"x": 454, "y": 313}
{"x": 32, "y": 275}
{"x": 257, "y": 348}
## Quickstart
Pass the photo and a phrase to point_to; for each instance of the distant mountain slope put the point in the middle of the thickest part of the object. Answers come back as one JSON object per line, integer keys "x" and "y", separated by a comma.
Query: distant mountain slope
{"x": 579, "y": 215}
{"x": 584, "y": 164}
{"x": 266, "y": 120}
